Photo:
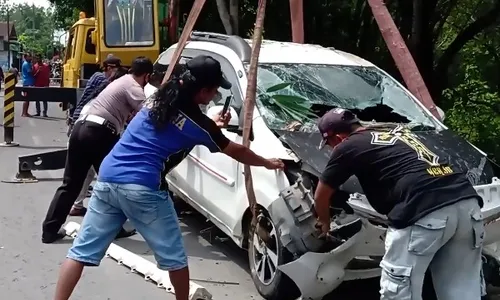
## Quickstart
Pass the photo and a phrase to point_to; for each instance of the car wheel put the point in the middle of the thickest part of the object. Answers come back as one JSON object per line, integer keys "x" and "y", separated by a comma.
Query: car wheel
{"x": 264, "y": 258}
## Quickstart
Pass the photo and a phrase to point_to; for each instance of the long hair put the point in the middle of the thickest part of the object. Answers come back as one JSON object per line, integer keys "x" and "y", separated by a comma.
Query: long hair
{"x": 171, "y": 95}
{"x": 118, "y": 73}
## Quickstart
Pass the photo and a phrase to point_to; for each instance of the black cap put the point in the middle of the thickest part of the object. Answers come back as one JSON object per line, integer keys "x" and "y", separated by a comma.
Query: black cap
{"x": 112, "y": 61}
{"x": 337, "y": 120}
{"x": 207, "y": 71}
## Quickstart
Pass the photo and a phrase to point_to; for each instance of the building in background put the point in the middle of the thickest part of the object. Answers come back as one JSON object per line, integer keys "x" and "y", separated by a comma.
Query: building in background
{"x": 8, "y": 42}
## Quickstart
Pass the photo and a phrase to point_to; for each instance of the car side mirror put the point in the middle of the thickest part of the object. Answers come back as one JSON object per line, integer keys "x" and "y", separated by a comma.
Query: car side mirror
{"x": 441, "y": 113}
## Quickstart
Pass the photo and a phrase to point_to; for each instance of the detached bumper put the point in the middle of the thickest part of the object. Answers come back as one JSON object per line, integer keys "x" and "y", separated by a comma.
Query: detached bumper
{"x": 317, "y": 274}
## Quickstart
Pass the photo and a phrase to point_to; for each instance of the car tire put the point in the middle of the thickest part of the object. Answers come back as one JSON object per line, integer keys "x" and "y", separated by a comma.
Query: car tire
{"x": 270, "y": 286}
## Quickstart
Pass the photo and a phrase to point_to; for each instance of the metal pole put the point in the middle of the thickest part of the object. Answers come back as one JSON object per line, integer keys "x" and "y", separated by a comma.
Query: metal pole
{"x": 8, "y": 38}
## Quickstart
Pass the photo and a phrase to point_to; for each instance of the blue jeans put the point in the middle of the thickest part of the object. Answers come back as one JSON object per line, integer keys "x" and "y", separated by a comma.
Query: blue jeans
{"x": 151, "y": 212}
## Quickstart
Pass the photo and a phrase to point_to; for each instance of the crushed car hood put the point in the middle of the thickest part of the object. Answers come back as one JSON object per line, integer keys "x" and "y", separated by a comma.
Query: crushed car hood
{"x": 445, "y": 143}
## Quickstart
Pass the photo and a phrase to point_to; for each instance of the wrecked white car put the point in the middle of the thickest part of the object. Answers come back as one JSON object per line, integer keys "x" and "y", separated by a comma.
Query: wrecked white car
{"x": 323, "y": 78}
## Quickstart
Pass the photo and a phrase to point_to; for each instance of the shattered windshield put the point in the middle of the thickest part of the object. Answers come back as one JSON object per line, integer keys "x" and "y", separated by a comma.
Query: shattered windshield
{"x": 294, "y": 96}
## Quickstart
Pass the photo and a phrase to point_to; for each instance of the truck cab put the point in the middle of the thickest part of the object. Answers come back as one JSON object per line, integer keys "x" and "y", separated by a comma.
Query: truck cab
{"x": 80, "y": 57}
{"x": 126, "y": 29}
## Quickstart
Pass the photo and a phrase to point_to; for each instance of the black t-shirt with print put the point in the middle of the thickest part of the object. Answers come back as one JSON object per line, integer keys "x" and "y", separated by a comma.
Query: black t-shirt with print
{"x": 400, "y": 176}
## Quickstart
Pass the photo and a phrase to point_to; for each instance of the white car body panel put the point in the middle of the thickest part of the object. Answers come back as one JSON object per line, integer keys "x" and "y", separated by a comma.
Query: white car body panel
{"x": 213, "y": 183}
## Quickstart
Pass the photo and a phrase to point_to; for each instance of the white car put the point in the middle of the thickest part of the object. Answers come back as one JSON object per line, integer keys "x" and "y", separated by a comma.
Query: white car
{"x": 325, "y": 78}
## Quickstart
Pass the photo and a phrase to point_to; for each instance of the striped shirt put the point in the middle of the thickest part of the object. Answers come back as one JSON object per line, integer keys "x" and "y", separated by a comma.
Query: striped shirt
{"x": 94, "y": 82}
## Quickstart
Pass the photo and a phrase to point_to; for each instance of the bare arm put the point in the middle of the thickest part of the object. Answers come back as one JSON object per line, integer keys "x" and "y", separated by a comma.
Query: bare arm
{"x": 322, "y": 197}
{"x": 245, "y": 155}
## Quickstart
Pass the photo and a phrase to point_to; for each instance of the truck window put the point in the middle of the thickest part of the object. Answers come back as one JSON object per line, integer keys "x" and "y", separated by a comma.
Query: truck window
{"x": 89, "y": 47}
{"x": 69, "y": 47}
{"x": 129, "y": 24}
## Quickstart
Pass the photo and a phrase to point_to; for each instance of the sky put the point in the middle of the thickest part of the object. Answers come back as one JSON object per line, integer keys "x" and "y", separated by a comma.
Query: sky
{"x": 44, "y": 3}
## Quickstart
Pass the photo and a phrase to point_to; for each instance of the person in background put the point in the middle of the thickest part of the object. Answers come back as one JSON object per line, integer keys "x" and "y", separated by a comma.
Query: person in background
{"x": 94, "y": 86}
{"x": 15, "y": 71}
{"x": 95, "y": 133}
{"x": 78, "y": 210}
{"x": 28, "y": 80}
{"x": 41, "y": 71}
{"x": 2, "y": 77}
{"x": 110, "y": 65}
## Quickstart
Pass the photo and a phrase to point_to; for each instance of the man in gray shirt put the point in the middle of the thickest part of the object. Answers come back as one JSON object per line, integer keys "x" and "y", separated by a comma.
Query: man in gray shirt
{"x": 95, "y": 133}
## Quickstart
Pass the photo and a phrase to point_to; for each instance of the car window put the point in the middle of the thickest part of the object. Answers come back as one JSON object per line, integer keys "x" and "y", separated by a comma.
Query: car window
{"x": 230, "y": 74}
{"x": 299, "y": 93}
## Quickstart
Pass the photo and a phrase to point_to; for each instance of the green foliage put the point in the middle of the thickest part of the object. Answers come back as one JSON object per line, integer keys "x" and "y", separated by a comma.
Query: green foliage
{"x": 475, "y": 113}
{"x": 293, "y": 107}
{"x": 34, "y": 27}
{"x": 66, "y": 11}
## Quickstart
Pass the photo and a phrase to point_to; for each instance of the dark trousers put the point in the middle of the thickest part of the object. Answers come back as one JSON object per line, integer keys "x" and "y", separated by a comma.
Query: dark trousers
{"x": 89, "y": 143}
{"x": 37, "y": 104}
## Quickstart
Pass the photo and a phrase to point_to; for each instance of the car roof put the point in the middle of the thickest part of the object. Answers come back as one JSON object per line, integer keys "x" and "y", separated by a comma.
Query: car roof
{"x": 273, "y": 51}
{"x": 287, "y": 52}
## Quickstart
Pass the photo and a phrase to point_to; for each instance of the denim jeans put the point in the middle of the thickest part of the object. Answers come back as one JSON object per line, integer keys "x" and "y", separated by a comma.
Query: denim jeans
{"x": 151, "y": 212}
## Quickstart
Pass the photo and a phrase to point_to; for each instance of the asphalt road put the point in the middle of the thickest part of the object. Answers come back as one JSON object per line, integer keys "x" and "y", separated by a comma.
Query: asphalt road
{"x": 29, "y": 269}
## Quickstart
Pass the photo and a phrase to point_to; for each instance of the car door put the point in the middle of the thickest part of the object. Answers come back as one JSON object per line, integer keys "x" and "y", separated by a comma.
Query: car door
{"x": 210, "y": 180}
{"x": 216, "y": 177}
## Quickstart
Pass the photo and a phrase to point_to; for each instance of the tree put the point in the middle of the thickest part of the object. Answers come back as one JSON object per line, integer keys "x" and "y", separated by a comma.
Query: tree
{"x": 66, "y": 11}
{"x": 228, "y": 12}
{"x": 34, "y": 27}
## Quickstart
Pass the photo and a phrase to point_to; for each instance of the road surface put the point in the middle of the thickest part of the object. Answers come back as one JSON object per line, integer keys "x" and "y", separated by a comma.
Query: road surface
{"x": 29, "y": 269}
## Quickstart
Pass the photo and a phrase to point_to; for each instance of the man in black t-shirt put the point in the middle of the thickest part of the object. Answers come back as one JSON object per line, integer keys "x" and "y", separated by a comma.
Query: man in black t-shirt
{"x": 434, "y": 212}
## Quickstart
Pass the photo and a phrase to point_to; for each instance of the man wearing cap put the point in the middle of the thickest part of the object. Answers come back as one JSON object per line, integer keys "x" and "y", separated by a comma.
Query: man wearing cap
{"x": 93, "y": 136}
{"x": 128, "y": 185}
{"x": 434, "y": 212}
{"x": 110, "y": 65}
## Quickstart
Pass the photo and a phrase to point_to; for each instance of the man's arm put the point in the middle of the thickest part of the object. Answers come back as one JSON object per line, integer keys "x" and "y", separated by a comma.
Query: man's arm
{"x": 36, "y": 70}
{"x": 337, "y": 171}
{"x": 216, "y": 141}
{"x": 246, "y": 156}
{"x": 322, "y": 197}
{"x": 136, "y": 97}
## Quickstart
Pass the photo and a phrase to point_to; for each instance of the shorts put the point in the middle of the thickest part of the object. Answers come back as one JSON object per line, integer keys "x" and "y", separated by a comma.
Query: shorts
{"x": 151, "y": 212}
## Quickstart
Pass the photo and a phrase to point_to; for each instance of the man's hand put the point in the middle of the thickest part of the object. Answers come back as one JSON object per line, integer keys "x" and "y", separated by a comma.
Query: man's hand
{"x": 222, "y": 120}
{"x": 323, "y": 228}
{"x": 274, "y": 164}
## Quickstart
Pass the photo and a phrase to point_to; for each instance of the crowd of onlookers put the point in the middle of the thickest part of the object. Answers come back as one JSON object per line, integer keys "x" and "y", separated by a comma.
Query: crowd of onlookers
{"x": 34, "y": 72}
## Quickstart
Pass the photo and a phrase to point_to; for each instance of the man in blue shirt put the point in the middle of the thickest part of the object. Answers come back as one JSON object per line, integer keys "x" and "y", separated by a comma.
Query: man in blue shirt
{"x": 28, "y": 80}
{"x": 128, "y": 186}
